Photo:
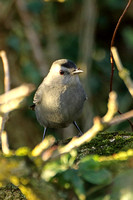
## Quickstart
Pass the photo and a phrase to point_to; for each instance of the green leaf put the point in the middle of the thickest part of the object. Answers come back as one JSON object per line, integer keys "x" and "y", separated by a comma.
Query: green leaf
{"x": 71, "y": 176}
{"x": 61, "y": 165}
{"x": 89, "y": 162}
{"x": 51, "y": 169}
{"x": 102, "y": 176}
{"x": 89, "y": 169}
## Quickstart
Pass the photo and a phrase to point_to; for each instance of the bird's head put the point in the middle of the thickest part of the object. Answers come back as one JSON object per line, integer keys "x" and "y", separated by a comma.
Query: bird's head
{"x": 65, "y": 71}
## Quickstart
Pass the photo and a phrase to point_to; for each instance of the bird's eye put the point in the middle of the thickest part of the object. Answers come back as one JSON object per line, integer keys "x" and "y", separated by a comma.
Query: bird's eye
{"x": 61, "y": 72}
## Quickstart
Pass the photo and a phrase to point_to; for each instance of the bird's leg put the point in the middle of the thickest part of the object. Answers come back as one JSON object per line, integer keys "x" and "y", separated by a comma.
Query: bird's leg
{"x": 44, "y": 133}
{"x": 75, "y": 124}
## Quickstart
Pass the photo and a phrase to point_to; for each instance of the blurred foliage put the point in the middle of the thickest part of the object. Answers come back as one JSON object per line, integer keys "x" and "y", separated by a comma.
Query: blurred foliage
{"x": 75, "y": 175}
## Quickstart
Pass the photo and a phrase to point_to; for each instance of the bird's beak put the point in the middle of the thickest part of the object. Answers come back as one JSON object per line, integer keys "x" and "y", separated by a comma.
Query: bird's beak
{"x": 77, "y": 71}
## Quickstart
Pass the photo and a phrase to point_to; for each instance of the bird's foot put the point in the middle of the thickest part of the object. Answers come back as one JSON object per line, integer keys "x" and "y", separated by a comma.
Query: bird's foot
{"x": 44, "y": 133}
{"x": 80, "y": 132}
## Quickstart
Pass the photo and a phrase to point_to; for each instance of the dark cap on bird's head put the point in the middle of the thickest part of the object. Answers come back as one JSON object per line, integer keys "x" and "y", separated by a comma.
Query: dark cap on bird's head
{"x": 65, "y": 63}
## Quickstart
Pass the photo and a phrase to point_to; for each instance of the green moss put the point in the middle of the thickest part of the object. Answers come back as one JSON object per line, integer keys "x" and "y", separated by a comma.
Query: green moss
{"x": 11, "y": 192}
{"x": 107, "y": 143}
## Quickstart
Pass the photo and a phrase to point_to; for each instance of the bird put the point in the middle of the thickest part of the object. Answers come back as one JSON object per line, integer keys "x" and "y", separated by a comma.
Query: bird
{"x": 59, "y": 99}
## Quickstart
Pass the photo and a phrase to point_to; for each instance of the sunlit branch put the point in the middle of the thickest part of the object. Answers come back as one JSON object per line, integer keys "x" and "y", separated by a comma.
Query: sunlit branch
{"x": 4, "y": 142}
{"x": 4, "y": 118}
{"x": 14, "y": 97}
{"x": 10, "y": 100}
{"x": 49, "y": 141}
{"x": 121, "y": 118}
{"x": 123, "y": 72}
{"x": 112, "y": 42}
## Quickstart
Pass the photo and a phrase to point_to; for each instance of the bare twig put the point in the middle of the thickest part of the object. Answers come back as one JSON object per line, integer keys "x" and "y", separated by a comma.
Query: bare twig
{"x": 4, "y": 118}
{"x": 14, "y": 97}
{"x": 4, "y": 142}
{"x": 123, "y": 72}
{"x": 112, "y": 42}
{"x": 121, "y": 118}
{"x": 111, "y": 55}
{"x": 10, "y": 100}
{"x": 130, "y": 122}
{"x": 21, "y": 91}
{"x": 6, "y": 71}
{"x": 49, "y": 141}
{"x": 119, "y": 21}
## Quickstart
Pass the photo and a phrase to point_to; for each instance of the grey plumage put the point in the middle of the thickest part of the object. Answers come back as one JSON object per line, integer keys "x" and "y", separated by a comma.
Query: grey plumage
{"x": 60, "y": 97}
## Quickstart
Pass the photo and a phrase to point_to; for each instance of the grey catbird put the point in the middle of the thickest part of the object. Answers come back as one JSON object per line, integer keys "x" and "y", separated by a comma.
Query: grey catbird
{"x": 59, "y": 99}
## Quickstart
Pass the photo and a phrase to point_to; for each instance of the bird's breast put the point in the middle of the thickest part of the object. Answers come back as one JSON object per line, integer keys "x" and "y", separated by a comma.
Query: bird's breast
{"x": 61, "y": 105}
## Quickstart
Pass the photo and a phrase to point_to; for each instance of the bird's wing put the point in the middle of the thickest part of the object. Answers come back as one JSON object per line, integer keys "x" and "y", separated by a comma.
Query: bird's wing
{"x": 84, "y": 94}
{"x": 38, "y": 95}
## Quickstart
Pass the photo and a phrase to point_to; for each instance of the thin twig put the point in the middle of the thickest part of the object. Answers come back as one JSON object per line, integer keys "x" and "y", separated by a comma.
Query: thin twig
{"x": 121, "y": 118}
{"x": 4, "y": 142}
{"x": 123, "y": 72}
{"x": 49, "y": 141}
{"x": 21, "y": 91}
{"x": 4, "y": 118}
{"x": 112, "y": 42}
{"x": 111, "y": 55}
{"x": 129, "y": 121}
{"x": 124, "y": 75}
{"x": 119, "y": 21}
{"x": 6, "y": 71}
{"x": 3, "y": 56}
{"x": 14, "y": 97}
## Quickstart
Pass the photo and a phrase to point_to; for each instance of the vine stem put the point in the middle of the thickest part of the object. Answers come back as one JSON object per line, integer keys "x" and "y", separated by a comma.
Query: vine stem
{"x": 112, "y": 43}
